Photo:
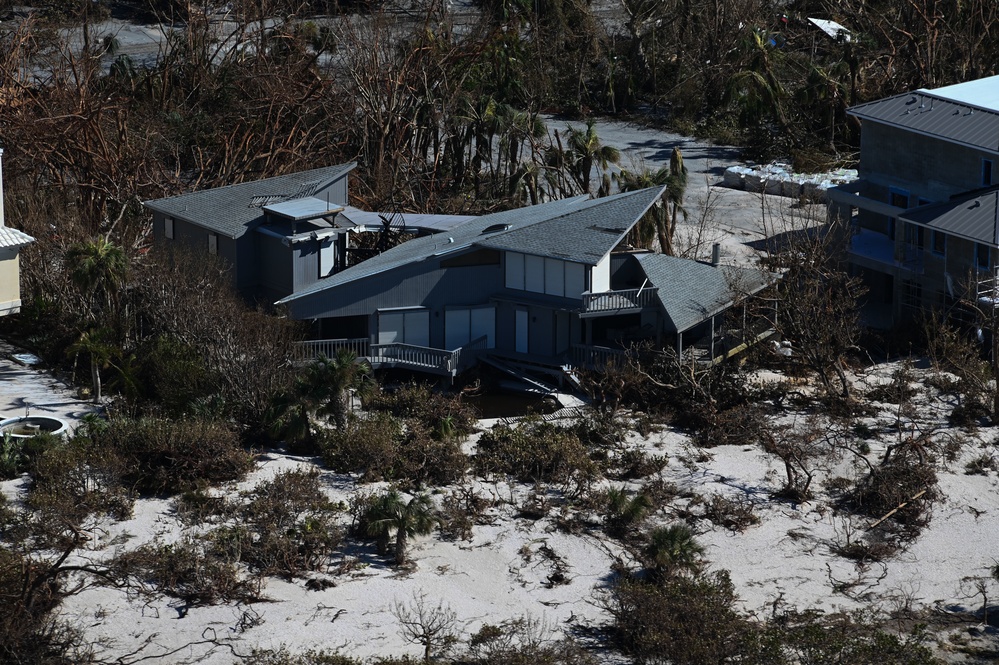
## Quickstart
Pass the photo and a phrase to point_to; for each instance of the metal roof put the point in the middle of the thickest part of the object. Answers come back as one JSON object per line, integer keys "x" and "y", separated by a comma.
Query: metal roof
{"x": 302, "y": 209}
{"x": 691, "y": 292}
{"x": 13, "y": 238}
{"x": 972, "y": 217}
{"x": 955, "y": 113}
{"x": 983, "y": 93}
{"x": 234, "y": 209}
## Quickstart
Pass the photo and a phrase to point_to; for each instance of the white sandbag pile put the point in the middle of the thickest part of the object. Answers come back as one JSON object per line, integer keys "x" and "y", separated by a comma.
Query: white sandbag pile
{"x": 780, "y": 179}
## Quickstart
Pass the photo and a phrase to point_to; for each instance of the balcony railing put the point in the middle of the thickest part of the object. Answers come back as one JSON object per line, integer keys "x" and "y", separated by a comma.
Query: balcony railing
{"x": 329, "y": 348}
{"x": 410, "y": 356}
{"x": 610, "y": 301}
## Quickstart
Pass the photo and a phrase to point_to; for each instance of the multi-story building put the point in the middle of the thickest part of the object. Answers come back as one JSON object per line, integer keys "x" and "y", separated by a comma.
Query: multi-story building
{"x": 924, "y": 212}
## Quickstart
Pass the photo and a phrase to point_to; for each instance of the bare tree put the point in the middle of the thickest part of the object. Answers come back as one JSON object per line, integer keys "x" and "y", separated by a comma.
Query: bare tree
{"x": 434, "y": 627}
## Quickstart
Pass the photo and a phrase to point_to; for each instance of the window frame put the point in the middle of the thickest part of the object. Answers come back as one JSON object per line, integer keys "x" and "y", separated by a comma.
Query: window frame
{"x": 988, "y": 254}
{"x": 168, "y": 228}
{"x": 934, "y": 235}
{"x": 213, "y": 244}
{"x": 988, "y": 172}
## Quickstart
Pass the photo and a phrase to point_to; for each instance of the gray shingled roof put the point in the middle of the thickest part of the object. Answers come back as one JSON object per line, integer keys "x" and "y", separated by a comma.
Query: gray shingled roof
{"x": 576, "y": 229}
{"x": 13, "y": 238}
{"x": 972, "y": 217}
{"x": 234, "y": 209}
{"x": 691, "y": 292}
{"x": 583, "y": 236}
{"x": 936, "y": 115}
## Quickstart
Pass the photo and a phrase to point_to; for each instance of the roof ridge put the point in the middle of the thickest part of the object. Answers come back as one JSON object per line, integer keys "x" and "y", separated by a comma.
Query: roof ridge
{"x": 345, "y": 168}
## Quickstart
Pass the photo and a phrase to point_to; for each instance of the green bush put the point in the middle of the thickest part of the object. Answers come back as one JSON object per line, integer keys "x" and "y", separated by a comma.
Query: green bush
{"x": 534, "y": 451}
{"x": 441, "y": 415}
{"x": 379, "y": 447}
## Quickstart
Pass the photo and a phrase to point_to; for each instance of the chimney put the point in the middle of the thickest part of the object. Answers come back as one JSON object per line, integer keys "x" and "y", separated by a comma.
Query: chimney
{"x": 1, "y": 188}
{"x": 715, "y": 254}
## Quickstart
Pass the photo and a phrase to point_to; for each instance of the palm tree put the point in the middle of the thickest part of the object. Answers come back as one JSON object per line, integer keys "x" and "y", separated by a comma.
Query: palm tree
{"x": 585, "y": 150}
{"x": 671, "y": 551}
{"x": 624, "y": 512}
{"x": 660, "y": 219}
{"x": 415, "y": 518}
{"x": 98, "y": 268}
{"x": 93, "y": 342}
{"x": 324, "y": 389}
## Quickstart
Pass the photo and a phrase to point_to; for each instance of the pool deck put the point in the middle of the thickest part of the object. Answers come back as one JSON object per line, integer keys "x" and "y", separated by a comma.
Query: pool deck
{"x": 27, "y": 390}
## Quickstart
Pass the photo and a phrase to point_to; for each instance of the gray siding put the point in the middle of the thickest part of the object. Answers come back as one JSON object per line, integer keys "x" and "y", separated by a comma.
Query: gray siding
{"x": 305, "y": 264}
{"x": 274, "y": 265}
{"x": 337, "y": 192}
{"x": 925, "y": 166}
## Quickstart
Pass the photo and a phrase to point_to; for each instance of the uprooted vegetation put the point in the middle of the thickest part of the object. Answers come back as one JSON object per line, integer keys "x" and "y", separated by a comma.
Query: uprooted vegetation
{"x": 654, "y": 498}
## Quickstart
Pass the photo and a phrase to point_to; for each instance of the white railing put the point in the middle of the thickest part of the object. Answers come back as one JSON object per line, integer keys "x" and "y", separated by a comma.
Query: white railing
{"x": 397, "y": 354}
{"x": 329, "y": 347}
{"x": 614, "y": 300}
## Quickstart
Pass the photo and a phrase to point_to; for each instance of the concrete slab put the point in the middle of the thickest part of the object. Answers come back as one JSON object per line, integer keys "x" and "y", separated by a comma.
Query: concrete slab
{"x": 33, "y": 391}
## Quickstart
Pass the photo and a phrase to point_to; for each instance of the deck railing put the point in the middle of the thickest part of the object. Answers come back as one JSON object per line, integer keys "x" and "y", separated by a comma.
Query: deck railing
{"x": 596, "y": 357}
{"x": 329, "y": 347}
{"x": 615, "y": 300}
{"x": 398, "y": 354}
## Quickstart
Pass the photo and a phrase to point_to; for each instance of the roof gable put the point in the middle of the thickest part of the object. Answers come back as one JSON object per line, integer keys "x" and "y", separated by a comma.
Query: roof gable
{"x": 943, "y": 116}
{"x": 691, "y": 292}
{"x": 232, "y": 210}
{"x": 13, "y": 238}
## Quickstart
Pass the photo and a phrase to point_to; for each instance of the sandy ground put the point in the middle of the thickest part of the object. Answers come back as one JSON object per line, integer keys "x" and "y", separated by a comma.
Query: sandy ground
{"x": 786, "y": 560}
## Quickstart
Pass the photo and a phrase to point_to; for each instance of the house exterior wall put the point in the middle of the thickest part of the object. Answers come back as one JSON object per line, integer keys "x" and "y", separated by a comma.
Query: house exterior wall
{"x": 906, "y": 169}
{"x": 274, "y": 266}
{"x": 10, "y": 285}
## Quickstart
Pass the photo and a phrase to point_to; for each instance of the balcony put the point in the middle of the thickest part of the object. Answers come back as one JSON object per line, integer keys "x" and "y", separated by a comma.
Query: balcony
{"x": 404, "y": 356}
{"x": 618, "y": 302}
{"x": 875, "y": 250}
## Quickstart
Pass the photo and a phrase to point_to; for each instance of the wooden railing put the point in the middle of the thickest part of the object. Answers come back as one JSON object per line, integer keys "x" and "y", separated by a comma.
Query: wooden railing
{"x": 614, "y": 300}
{"x": 329, "y": 348}
{"x": 596, "y": 357}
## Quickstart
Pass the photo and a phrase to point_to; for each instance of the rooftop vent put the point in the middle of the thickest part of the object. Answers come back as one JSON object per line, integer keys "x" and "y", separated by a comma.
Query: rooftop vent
{"x": 495, "y": 228}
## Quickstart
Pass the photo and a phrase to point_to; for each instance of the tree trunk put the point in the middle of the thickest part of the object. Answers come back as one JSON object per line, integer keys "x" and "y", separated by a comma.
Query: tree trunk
{"x": 95, "y": 375}
{"x": 401, "y": 542}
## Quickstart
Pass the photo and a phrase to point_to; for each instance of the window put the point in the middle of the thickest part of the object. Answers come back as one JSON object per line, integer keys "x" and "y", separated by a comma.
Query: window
{"x": 327, "y": 255}
{"x": 898, "y": 198}
{"x": 938, "y": 243}
{"x": 983, "y": 256}
{"x": 168, "y": 228}
{"x": 986, "y": 172}
{"x": 553, "y": 277}
{"x": 914, "y": 236}
{"x": 213, "y": 244}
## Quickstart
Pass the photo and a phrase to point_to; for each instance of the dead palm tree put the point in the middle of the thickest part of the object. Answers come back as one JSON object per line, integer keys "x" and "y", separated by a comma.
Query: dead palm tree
{"x": 584, "y": 150}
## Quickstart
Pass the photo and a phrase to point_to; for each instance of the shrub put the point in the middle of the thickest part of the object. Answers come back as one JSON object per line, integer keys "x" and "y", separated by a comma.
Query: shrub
{"x": 284, "y": 657}
{"x": 441, "y": 415}
{"x": 168, "y": 456}
{"x": 901, "y": 476}
{"x": 189, "y": 571}
{"x": 287, "y": 526}
{"x": 74, "y": 479}
{"x": 379, "y": 448}
{"x": 534, "y": 451}
{"x": 689, "y": 621}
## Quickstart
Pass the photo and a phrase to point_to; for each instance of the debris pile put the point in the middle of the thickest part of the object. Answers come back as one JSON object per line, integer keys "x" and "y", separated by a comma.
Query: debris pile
{"x": 780, "y": 179}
